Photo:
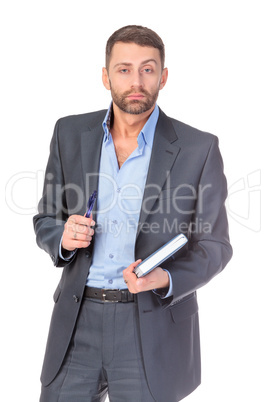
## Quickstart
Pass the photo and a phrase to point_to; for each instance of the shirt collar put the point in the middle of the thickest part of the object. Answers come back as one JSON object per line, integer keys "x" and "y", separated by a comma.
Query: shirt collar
{"x": 147, "y": 132}
{"x": 107, "y": 122}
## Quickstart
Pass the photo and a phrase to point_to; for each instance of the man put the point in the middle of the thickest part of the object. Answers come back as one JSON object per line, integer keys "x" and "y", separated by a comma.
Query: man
{"x": 135, "y": 339}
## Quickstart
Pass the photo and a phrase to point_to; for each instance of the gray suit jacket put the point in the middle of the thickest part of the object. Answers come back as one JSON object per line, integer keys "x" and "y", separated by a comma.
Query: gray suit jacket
{"x": 185, "y": 192}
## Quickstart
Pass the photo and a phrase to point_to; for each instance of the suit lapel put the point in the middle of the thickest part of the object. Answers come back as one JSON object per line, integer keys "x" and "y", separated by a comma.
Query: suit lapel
{"x": 91, "y": 144}
{"x": 164, "y": 153}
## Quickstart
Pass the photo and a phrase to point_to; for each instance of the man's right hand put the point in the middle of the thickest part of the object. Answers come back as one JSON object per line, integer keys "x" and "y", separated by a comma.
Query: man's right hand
{"x": 78, "y": 232}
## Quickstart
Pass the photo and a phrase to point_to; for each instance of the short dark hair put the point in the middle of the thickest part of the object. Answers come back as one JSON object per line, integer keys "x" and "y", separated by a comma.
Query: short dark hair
{"x": 138, "y": 34}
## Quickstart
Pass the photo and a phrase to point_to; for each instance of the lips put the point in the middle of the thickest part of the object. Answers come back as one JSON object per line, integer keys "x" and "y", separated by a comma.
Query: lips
{"x": 136, "y": 96}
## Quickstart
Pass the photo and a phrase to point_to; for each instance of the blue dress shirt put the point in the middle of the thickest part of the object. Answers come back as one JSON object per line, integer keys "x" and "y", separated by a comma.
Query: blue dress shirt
{"x": 120, "y": 193}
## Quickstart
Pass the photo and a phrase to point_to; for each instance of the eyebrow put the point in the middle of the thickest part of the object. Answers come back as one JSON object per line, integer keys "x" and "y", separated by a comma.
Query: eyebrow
{"x": 130, "y": 64}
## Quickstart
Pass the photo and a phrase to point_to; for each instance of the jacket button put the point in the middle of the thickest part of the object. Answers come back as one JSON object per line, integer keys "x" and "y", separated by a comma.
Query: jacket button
{"x": 76, "y": 298}
{"x": 88, "y": 254}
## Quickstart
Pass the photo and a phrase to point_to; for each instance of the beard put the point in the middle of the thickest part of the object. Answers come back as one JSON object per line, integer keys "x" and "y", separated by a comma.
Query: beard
{"x": 134, "y": 106}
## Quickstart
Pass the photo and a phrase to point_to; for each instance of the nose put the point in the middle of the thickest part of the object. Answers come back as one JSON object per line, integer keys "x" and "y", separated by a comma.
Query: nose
{"x": 136, "y": 79}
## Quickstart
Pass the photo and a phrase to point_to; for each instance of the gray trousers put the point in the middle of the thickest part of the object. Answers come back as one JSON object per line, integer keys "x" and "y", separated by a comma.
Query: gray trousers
{"x": 104, "y": 358}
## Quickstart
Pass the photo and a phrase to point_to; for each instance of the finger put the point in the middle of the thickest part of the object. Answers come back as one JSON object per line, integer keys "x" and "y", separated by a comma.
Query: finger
{"x": 85, "y": 230}
{"x": 76, "y": 236}
{"x": 81, "y": 237}
{"x": 72, "y": 244}
{"x": 132, "y": 266}
{"x": 129, "y": 274}
{"x": 72, "y": 229}
{"x": 129, "y": 271}
{"x": 80, "y": 244}
{"x": 81, "y": 220}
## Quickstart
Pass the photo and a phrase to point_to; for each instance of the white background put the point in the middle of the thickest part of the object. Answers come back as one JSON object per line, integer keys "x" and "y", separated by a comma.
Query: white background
{"x": 52, "y": 53}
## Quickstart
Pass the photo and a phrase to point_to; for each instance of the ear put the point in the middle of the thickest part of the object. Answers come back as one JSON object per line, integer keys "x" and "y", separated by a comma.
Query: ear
{"x": 164, "y": 78}
{"x": 105, "y": 78}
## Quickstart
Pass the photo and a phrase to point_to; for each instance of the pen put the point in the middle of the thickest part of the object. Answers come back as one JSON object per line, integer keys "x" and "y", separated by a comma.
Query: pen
{"x": 91, "y": 204}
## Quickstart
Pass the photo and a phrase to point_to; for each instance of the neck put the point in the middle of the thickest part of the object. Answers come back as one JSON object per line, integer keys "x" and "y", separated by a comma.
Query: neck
{"x": 129, "y": 125}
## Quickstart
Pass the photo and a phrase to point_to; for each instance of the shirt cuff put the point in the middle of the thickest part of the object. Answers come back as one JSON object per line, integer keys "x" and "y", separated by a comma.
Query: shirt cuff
{"x": 67, "y": 254}
{"x": 164, "y": 293}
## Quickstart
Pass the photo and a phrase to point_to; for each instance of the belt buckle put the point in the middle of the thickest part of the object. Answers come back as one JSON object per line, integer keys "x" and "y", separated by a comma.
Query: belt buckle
{"x": 103, "y": 295}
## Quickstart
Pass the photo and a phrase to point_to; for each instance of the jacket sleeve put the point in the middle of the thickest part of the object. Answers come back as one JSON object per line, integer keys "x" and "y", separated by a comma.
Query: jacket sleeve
{"x": 49, "y": 222}
{"x": 209, "y": 249}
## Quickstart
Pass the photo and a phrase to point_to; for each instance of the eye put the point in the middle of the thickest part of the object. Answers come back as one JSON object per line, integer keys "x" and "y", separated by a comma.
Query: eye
{"x": 147, "y": 70}
{"x": 124, "y": 70}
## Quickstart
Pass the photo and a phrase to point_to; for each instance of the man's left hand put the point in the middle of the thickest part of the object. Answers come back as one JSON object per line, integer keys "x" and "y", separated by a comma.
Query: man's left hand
{"x": 156, "y": 279}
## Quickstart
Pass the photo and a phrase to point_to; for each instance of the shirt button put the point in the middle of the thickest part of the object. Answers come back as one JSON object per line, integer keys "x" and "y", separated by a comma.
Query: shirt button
{"x": 111, "y": 256}
{"x": 118, "y": 189}
{"x": 115, "y": 222}
{"x": 110, "y": 281}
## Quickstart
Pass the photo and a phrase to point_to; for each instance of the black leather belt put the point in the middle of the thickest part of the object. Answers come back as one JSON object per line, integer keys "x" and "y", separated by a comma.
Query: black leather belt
{"x": 109, "y": 295}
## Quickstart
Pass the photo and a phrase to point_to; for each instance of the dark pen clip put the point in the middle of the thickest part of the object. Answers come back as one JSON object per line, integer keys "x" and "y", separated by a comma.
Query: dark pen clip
{"x": 91, "y": 204}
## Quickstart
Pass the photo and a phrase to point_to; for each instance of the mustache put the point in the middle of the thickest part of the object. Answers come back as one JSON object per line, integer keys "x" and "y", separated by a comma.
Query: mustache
{"x": 136, "y": 90}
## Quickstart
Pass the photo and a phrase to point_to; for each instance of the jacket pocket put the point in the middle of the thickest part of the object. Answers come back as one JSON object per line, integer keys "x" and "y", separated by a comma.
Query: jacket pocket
{"x": 184, "y": 308}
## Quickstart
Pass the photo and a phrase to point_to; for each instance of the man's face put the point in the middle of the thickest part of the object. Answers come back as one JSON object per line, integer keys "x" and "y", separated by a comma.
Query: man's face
{"x": 134, "y": 77}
